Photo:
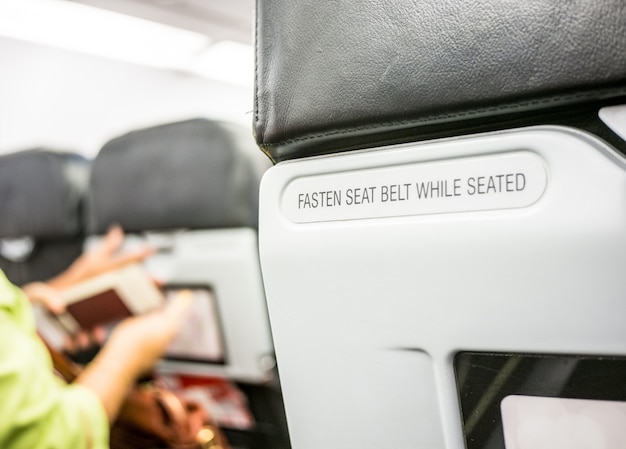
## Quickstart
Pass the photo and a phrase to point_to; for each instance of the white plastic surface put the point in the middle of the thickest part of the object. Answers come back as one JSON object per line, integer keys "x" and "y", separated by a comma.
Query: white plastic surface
{"x": 367, "y": 310}
{"x": 226, "y": 261}
{"x": 615, "y": 118}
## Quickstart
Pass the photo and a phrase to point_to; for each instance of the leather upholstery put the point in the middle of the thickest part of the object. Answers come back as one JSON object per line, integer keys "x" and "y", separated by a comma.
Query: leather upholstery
{"x": 193, "y": 174}
{"x": 41, "y": 200}
{"x": 333, "y": 76}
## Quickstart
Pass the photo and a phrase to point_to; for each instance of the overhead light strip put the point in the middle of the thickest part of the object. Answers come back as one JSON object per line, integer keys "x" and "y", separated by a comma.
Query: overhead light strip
{"x": 77, "y": 27}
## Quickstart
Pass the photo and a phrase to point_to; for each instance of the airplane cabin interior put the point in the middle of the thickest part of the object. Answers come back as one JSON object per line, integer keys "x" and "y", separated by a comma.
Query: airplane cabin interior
{"x": 403, "y": 224}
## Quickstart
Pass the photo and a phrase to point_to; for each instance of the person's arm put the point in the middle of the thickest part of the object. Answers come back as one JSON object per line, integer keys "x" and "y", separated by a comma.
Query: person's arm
{"x": 133, "y": 348}
{"x": 74, "y": 415}
{"x": 105, "y": 257}
{"x": 38, "y": 410}
{"x": 136, "y": 343}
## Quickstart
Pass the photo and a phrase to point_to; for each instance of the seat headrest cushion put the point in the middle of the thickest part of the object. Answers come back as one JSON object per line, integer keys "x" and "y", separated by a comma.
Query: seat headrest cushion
{"x": 337, "y": 76}
{"x": 193, "y": 174}
{"x": 41, "y": 193}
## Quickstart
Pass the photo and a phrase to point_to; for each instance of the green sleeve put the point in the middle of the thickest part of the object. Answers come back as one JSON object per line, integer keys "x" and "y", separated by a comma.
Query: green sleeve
{"x": 37, "y": 409}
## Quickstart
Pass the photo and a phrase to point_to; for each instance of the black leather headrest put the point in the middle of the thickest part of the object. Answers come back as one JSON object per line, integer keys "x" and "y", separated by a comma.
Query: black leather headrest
{"x": 333, "y": 76}
{"x": 41, "y": 193}
{"x": 41, "y": 204}
{"x": 193, "y": 174}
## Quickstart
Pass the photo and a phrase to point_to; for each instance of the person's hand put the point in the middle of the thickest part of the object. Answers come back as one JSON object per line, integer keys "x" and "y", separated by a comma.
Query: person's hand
{"x": 46, "y": 295}
{"x": 143, "y": 339}
{"x": 132, "y": 349}
{"x": 105, "y": 257}
{"x": 84, "y": 345}
{"x": 80, "y": 347}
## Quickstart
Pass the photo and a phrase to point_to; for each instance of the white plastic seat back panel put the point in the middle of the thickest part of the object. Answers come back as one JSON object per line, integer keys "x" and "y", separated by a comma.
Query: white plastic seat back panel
{"x": 518, "y": 248}
{"x": 226, "y": 261}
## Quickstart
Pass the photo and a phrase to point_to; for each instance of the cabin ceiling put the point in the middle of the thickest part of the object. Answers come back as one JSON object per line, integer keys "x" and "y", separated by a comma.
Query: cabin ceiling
{"x": 219, "y": 19}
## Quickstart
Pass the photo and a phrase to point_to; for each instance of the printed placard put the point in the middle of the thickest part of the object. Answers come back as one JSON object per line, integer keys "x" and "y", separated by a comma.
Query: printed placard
{"x": 511, "y": 180}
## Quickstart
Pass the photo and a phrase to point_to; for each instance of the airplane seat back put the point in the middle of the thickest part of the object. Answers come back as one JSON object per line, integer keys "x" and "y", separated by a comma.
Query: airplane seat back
{"x": 442, "y": 233}
{"x": 190, "y": 190}
{"x": 193, "y": 174}
{"x": 41, "y": 203}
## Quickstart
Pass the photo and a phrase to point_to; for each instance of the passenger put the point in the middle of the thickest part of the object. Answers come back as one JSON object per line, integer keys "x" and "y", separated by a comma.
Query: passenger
{"x": 38, "y": 409}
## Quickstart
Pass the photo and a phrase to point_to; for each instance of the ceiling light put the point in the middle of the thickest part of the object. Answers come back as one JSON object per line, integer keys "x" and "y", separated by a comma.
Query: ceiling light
{"x": 100, "y": 32}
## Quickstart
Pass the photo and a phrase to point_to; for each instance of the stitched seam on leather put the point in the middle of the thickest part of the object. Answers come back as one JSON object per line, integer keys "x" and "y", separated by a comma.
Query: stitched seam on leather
{"x": 430, "y": 119}
{"x": 256, "y": 64}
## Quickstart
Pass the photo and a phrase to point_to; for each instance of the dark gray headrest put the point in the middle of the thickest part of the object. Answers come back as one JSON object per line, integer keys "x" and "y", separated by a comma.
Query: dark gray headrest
{"x": 41, "y": 194}
{"x": 194, "y": 174}
{"x": 334, "y": 76}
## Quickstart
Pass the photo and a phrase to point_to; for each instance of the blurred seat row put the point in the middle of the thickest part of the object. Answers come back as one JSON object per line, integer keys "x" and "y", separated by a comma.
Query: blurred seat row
{"x": 194, "y": 174}
{"x": 190, "y": 190}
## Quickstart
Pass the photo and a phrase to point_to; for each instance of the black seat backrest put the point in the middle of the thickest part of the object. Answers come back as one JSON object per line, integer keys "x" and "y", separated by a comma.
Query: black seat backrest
{"x": 343, "y": 75}
{"x": 41, "y": 205}
{"x": 189, "y": 174}
{"x": 467, "y": 256}
{"x": 190, "y": 189}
